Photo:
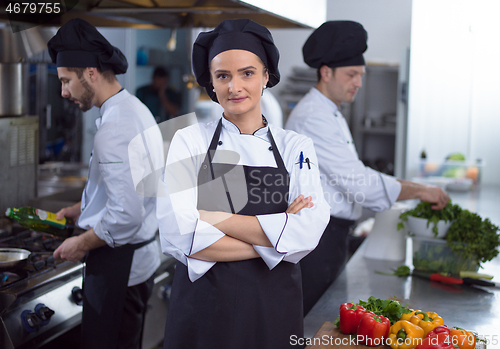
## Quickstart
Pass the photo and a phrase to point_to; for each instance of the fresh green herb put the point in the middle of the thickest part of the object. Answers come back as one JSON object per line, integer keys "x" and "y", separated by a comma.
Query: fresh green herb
{"x": 403, "y": 270}
{"x": 337, "y": 321}
{"x": 424, "y": 210}
{"x": 472, "y": 237}
{"x": 390, "y": 308}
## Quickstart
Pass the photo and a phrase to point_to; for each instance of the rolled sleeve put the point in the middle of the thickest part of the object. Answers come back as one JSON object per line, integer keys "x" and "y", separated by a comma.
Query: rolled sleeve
{"x": 269, "y": 254}
{"x": 204, "y": 235}
{"x": 392, "y": 188}
{"x": 197, "y": 268}
{"x": 273, "y": 226}
{"x": 104, "y": 235}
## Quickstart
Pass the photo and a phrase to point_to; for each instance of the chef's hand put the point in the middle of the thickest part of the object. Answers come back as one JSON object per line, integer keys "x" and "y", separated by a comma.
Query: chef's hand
{"x": 76, "y": 247}
{"x": 424, "y": 192}
{"x": 71, "y": 212}
{"x": 71, "y": 249}
{"x": 436, "y": 196}
{"x": 299, "y": 203}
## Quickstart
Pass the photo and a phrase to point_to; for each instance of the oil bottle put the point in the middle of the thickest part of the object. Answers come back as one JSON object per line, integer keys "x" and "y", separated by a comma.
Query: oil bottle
{"x": 40, "y": 220}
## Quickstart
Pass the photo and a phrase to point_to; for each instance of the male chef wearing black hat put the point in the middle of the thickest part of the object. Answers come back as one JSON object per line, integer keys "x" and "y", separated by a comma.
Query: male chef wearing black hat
{"x": 120, "y": 251}
{"x": 336, "y": 49}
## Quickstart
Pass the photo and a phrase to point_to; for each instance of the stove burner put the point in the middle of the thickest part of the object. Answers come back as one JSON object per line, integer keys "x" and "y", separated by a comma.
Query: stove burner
{"x": 7, "y": 278}
{"x": 30, "y": 240}
{"x": 38, "y": 262}
{"x": 41, "y": 246}
{"x": 37, "y": 289}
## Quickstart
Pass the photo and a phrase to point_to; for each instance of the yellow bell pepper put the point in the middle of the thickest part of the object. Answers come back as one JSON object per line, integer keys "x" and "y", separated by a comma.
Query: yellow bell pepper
{"x": 405, "y": 335}
{"x": 408, "y": 316}
{"x": 428, "y": 320}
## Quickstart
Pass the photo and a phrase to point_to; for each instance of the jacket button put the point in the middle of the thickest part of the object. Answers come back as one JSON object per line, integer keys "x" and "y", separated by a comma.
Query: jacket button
{"x": 220, "y": 143}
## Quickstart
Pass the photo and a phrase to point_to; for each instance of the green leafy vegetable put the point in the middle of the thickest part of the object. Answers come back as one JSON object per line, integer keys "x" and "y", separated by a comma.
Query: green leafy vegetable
{"x": 472, "y": 237}
{"x": 423, "y": 210}
{"x": 403, "y": 270}
{"x": 390, "y": 308}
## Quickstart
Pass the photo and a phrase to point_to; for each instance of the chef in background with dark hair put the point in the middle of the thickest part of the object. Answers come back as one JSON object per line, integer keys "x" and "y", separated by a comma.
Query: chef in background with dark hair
{"x": 119, "y": 246}
{"x": 336, "y": 50}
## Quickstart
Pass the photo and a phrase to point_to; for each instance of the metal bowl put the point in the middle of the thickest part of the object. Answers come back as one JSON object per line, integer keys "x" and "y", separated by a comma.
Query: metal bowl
{"x": 13, "y": 257}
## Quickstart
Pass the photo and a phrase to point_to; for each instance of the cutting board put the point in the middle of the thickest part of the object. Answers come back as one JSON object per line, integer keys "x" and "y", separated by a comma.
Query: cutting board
{"x": 329, "y": 337}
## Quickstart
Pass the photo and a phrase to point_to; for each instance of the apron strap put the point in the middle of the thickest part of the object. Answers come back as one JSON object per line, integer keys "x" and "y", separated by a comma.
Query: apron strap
{"x": 213, "y": 147}
{"x": 276, "y": 153}
{"x": 208, "y": 162}
{"x": 141, "y": 244}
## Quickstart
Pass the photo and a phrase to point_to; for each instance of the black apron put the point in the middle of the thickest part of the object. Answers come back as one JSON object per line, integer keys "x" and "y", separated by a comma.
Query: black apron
{"x": 322, "y": 266}
{"x": 238, "y": 304}
{"x": 107, "y": 271}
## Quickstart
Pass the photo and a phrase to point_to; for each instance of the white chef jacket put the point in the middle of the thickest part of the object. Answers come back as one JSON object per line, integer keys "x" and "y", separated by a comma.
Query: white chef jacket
{"x": 348, "y": 184}
{"x": 110, "y": 203}
{"x": 293, "y": 236}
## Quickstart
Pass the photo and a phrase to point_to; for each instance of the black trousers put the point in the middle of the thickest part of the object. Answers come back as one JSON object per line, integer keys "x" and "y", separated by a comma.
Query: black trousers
{"x": 134, "y": 312}
{"x": 323, "y": 265}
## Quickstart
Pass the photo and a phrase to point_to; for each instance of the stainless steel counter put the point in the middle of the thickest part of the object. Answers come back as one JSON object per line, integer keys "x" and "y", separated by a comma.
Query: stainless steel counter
{"x": 475, "y": 308}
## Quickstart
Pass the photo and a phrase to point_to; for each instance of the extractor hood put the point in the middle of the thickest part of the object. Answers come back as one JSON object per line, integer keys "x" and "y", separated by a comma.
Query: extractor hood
{"x": 190, "y": 13}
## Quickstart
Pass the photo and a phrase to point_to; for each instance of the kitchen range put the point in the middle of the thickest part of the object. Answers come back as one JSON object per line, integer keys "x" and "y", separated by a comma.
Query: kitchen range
{"x": 40, "y": 297}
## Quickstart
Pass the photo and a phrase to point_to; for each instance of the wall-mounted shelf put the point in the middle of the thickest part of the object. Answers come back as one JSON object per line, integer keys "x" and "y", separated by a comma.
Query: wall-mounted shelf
{"x": 373, "y": 117}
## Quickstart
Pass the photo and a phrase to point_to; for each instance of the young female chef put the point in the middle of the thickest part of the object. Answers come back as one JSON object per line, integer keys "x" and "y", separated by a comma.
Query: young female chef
{"x": 247, "y": 200}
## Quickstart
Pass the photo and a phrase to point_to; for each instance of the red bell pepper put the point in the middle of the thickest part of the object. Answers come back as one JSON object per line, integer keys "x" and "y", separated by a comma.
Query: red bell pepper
{"x": 438, "y": 338}
{"x": 373, "y": 329}
{"x": 350, "y": 315}
{"x": 437, "y": 330}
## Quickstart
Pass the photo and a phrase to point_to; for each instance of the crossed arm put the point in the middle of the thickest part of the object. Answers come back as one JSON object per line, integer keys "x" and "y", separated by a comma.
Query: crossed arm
{"x": 242, "y": 232}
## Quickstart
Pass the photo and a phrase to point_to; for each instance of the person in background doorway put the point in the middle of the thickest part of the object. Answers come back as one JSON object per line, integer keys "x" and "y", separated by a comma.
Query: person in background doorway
{"x": 248, "y": 204}
{"x": 119, "y": 246}
{"x": 336, "y": 49}
{"x": 161, "y": 99}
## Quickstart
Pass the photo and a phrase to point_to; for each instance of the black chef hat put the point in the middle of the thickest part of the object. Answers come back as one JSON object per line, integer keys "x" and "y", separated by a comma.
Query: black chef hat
{"x": 78, "y": 44}
{"x": 336, "y": 44}
{"x": 234, "y": 34}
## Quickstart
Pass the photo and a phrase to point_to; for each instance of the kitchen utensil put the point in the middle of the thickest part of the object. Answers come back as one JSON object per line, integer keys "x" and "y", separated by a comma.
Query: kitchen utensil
{"x": 480, "y": 282}
{"x": 455, "y": 281}
{"x": 418, "y": 226}
{"x": 13, "y": 258}
{"x": 438, "y": 277}
{"x": 474, "y": 275}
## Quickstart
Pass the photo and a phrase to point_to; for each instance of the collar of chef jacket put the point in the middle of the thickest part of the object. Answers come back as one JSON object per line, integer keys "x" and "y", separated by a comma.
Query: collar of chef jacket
{"x": 230, "y": 127}
{"x": 116, "y": 98}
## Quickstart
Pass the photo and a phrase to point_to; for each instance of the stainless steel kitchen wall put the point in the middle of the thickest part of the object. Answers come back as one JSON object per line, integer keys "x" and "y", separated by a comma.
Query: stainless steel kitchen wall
{"x": 18, "y": 160}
